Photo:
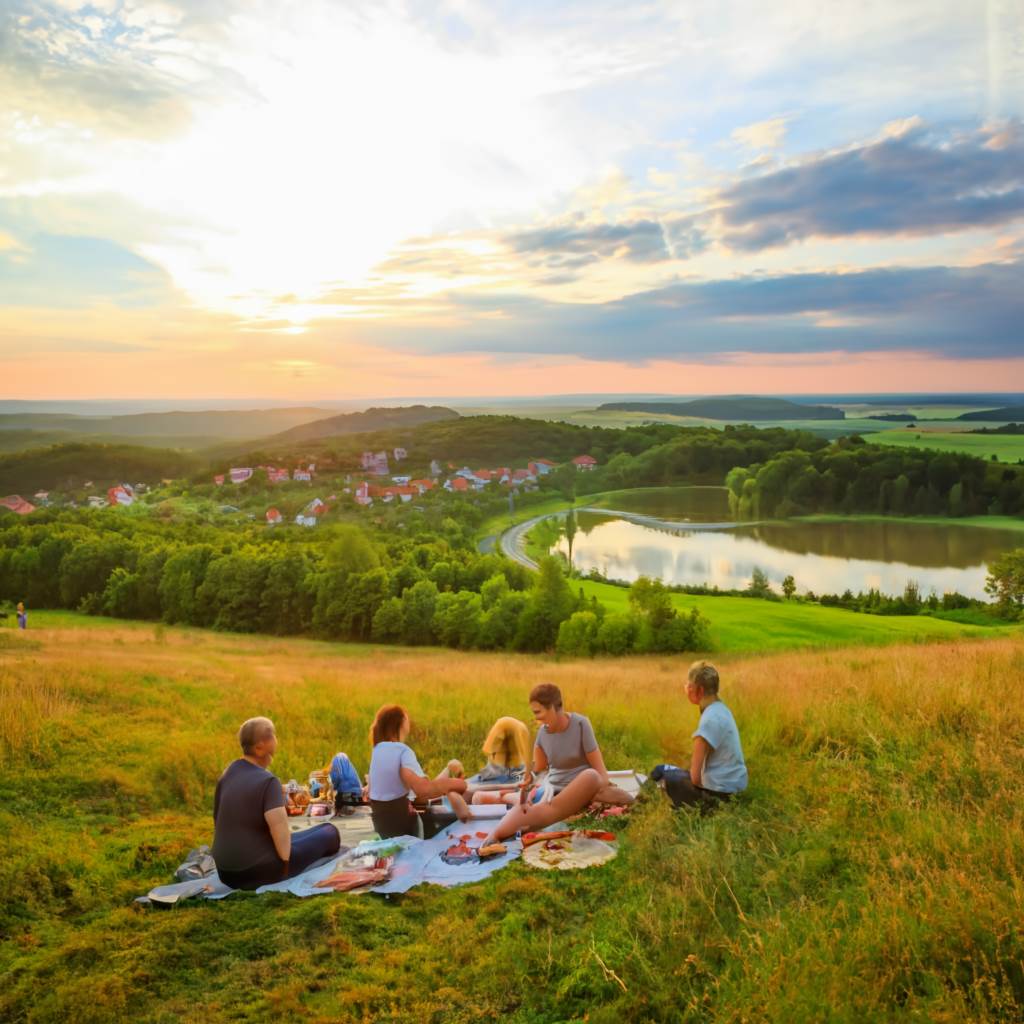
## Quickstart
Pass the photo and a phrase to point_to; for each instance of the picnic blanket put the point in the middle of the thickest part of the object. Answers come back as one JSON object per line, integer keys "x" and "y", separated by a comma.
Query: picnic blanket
{"x": 417, "y": 862}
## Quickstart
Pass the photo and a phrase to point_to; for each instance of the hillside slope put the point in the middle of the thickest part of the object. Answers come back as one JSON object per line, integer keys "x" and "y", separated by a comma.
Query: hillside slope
{"x": 362, "y": 422}
{"x": 67, "y": 467}
{"x": 877, "y": 855}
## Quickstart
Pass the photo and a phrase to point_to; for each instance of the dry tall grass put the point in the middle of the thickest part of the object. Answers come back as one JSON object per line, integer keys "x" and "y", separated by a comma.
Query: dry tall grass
{"x": 873, "y": 871}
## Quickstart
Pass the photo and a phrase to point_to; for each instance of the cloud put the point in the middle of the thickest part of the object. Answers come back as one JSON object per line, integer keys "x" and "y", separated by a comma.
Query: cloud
{"x": 934, "y": 310}
{"x": 640, "y": 241}
{"x": 768, "y": 134}
{"x": 908, "y": 183}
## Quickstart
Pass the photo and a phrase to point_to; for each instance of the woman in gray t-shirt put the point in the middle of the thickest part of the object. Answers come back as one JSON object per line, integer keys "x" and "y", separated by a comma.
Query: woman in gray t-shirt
{"x": 567, "y": 749}
{"x": 566, "y": 745}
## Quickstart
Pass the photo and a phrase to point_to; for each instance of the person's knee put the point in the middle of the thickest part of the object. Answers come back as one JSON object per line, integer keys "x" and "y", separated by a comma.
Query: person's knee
{"x": 331, "y": 838}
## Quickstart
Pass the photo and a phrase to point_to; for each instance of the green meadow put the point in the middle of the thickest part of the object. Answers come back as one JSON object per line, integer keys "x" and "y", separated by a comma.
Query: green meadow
{"x": 871, "y": 872}
{"x": 1005, "y": 447}
{"x": 742, "y": 624}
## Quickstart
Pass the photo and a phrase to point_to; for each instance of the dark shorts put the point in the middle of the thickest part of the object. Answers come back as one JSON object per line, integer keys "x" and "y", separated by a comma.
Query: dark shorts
{"x": 393, "y": 818}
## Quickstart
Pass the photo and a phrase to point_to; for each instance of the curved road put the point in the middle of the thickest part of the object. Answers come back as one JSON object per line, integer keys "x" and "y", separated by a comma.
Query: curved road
{"x": 513, "y": 540}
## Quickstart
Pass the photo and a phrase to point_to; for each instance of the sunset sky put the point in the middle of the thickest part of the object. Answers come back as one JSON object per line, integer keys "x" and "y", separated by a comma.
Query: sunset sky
{"x": 341, "y": 199}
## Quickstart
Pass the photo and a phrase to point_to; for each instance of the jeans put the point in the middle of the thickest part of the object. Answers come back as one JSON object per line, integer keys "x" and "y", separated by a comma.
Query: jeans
{"x": 308, "y": 846}
{"x": 681, "y": 790}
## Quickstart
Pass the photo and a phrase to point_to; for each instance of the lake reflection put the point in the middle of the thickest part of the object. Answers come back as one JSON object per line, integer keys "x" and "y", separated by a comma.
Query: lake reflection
{"x": 822, "y": 557}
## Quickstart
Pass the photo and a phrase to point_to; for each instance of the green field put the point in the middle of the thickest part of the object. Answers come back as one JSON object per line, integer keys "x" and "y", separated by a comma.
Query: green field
{"x": 871, "y": 872}
{"x": 748, "y": 625}
{"x": 981, "y": 522}
{"x": 1006, "y": 447}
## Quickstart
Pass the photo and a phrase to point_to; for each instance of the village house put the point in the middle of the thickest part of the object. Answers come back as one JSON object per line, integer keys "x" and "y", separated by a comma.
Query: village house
{"x": 239, "y": 474}
{"x": 422, "y": 485}
{"x": 375, "y": 463}
{"x": 42, "y": 497}
{"x": 121, "y": 495}
{"x": 362, "y": 494}
{"x": 457, "y": 484}
{"x": 303, "y": 475}
{"x": 17, "y": 504}
{"x": 584, "y": 462}
{"x": 219, "y": 479}
{"x": 541, "y": 467}
{"x": 400, "y": 480}
{"x": 97, "y": 501}
{"x": 274, "y": 517}
{"x": 435, "y": 468}
{"x": 304, "y": 520}
{"x": 400, "y": 453}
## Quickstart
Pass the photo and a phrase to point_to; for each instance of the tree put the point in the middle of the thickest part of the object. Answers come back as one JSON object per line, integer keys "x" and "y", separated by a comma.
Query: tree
{"x": 577, "y": 635}
{"x": 550, "y": 602}
{"x": 1005, "y": 581}
{"x": 419, "y": 603}
{"x": 759, "y": 585}
{"x": 387, "y": 621}
{"x": 570, "y": 532}
{"x": 351, "y": 551}
{"x": 617, "y": 633}
{"x": 651, "y": 599}
{"x": 789, "y": 587}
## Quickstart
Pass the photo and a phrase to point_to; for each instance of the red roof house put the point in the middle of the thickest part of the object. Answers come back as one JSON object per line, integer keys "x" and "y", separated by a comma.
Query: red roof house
{"x": 584, "y": 462}
{"x": 273, "y": 517}
{"x": 17, "y": 504}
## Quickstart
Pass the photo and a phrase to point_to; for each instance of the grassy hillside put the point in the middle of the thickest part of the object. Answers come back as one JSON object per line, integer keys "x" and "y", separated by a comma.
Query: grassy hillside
{"x": 363, "y": 422}
{"x": 1006, "y": 447}
{"x": 1011, "y": 413}
{"x": 872, "y": 872}
{"x": 747, "y": 625}
{"x": 746, "y": 407}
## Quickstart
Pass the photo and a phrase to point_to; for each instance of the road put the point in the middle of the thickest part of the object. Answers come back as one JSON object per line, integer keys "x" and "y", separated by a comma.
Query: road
{"x": 513, "y": 540}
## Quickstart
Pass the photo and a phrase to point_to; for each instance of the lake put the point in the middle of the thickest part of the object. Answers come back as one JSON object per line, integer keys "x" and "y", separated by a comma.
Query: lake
{"x": 688, "y": 540}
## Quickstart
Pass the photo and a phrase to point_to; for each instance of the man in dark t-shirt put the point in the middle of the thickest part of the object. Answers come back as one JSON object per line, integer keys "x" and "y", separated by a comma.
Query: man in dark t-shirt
{"x": 252, "y": 844}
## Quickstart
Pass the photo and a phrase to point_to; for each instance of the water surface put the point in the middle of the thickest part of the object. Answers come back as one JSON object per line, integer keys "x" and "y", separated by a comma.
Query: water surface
{"x": 825, "y": 557}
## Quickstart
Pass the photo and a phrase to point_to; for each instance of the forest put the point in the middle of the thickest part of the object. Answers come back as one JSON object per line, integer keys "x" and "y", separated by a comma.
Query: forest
{"x": 421, "y": 583}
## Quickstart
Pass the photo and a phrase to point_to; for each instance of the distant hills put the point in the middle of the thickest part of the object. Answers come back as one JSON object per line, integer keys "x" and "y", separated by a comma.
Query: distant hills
{"x": 1008, "y": 414}
{"x": 68, "y": 467}
{"x": 749, "y": 408}
{"x": 219, "y": 423}
{"x": 362, "y": 423}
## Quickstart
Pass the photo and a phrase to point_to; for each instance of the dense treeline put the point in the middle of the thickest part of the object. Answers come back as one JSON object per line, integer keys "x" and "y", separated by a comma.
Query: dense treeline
{"x": 420, "y": 583}
{"x": 480, "y": 441}
{"x": 749, "y": 408}
{"x": 68, "y": 467}
{"x": 851, "y": 476}
{"x": 697, "y": 455}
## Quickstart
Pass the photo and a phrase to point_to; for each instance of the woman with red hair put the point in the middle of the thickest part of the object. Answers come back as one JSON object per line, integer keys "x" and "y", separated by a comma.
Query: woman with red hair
{"x": 396, "y": 779}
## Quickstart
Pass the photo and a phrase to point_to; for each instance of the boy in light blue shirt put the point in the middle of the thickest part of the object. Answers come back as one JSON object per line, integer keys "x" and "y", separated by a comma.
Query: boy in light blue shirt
{"x": 717, "y": 768}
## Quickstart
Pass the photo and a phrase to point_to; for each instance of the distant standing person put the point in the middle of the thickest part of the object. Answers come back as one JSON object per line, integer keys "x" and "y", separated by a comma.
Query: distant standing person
{"x": 252, "y": 843}
{"x": 717, "y": 768}
{"x": 22, "y": 616}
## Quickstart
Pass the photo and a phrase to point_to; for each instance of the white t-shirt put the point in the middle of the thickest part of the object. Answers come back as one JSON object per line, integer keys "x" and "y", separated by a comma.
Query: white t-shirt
{"x": 725, "y": 771}
{"x": 385, "y": 778}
